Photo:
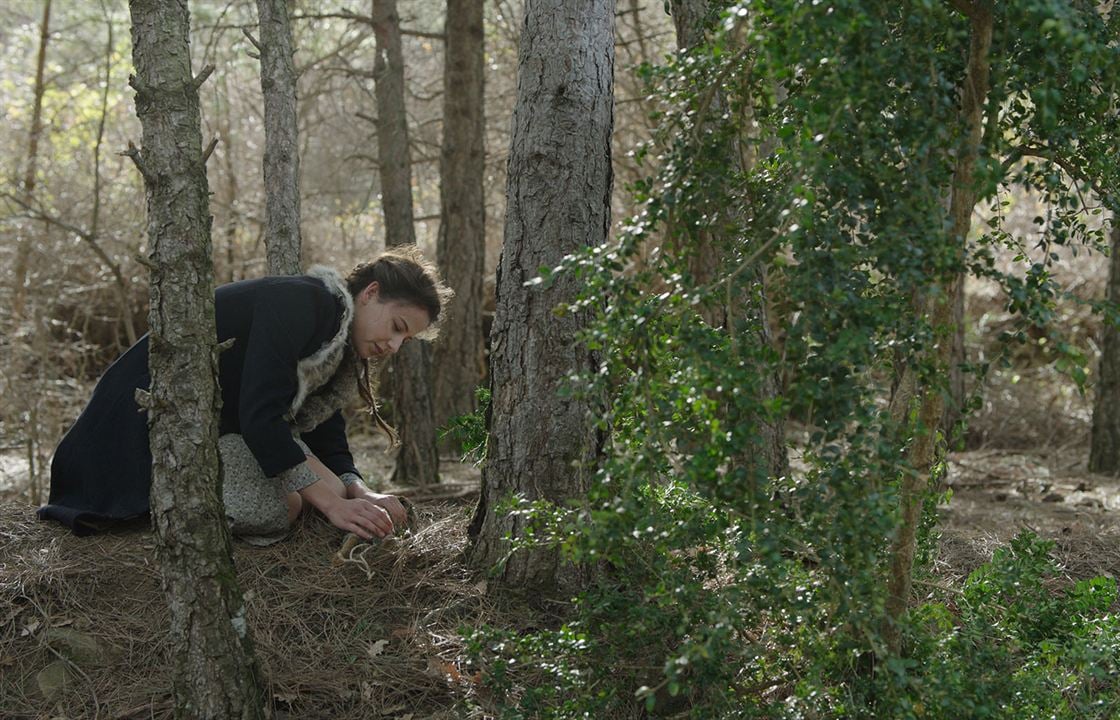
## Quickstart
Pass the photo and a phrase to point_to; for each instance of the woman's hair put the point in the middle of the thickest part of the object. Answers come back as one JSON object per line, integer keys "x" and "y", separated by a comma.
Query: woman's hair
{"x": 403, "y": 275}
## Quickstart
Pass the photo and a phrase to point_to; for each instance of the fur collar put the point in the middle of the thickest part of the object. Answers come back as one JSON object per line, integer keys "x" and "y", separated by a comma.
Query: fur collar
{"x": 327, "y": 379}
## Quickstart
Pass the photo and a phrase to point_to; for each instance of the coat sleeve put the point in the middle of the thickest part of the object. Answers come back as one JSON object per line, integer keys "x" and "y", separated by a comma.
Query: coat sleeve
{"x": 286, "y": 325}
{"x": 328, "y": 442}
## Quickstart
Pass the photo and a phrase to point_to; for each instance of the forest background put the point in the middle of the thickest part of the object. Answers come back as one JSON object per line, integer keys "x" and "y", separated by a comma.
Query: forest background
{"x": 845, "y": 216}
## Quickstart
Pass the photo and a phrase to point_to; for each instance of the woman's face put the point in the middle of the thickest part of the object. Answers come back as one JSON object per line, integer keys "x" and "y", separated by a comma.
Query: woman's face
{"x": 380, "y": 328}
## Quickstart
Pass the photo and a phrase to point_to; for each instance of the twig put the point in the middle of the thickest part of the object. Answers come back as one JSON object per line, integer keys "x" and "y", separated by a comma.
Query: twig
{"x": 209, "y": 149}
{"x": 201, "y": 77}
{"x": 134, "y": 153}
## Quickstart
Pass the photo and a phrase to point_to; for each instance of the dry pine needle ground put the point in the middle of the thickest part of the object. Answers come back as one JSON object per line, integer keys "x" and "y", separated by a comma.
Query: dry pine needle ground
{"x": 374, "y": 637}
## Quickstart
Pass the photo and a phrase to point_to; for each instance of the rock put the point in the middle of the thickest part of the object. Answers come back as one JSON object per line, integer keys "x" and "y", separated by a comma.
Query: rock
{"x": 53, "y": 680}
{"x": 1053, "y": 498}
{"x": 78, "y": 647}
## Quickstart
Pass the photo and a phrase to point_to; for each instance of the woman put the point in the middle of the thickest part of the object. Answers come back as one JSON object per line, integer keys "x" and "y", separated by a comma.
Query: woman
{"x": 302, "y": 349}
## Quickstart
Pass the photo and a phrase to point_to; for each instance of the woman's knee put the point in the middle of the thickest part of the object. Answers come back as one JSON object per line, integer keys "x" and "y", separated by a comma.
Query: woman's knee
{"x": 295, "y": 506}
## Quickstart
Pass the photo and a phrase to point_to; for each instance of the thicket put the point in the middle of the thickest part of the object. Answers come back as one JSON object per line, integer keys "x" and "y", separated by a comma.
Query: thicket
{"x": 722, "y": 590}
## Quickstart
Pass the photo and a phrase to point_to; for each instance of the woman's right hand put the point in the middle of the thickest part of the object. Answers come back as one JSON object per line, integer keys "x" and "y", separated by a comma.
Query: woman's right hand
{"x": 361, "y": 517}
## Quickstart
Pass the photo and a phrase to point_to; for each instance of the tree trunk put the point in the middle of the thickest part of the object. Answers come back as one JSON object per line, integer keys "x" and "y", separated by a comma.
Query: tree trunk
{"x": 958, "y": 390}
{"x": 939, "y": 303}
{"x": 410, "y": 370}
{"x": 122, "y": 286}
{"x": 281, "y": 133}
{"x": 215, "y": 673}
{"x": 23, "y": 249}
{"x": 767, "y": 457}
{"x": 1104, "y": 447}
{"x": 232, "y": 224}
{"x": 459, "y": 354}
{"x": 541, "y": 445}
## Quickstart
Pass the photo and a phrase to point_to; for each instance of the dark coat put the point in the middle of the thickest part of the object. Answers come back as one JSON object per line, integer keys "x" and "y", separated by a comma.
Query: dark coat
{"x": 102, "y": 468}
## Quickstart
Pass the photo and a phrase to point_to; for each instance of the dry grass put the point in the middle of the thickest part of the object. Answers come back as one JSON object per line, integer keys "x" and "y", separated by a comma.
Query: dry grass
{"x": 376, "y": 638}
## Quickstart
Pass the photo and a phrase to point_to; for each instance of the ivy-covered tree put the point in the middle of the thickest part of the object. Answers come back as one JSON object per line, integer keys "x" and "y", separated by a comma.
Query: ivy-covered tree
{"x": 738, "y": 595}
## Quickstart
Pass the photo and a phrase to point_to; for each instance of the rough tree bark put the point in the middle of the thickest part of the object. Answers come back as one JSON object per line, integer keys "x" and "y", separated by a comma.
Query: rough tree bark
{"x": 938, "y": 303}
{"x": 542, "y": 445}
{"x": 23, "y": 248}
{"x": 459, "y": 354}
{"x": 281, "y": 133}
{"x": 215, "y": 672}
{"x": 767, "y": 457}
{"x": 1104, "y": 448}
{"x": 411, "y": 368}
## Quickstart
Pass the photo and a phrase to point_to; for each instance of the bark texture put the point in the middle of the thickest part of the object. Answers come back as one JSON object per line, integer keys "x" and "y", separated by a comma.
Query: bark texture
{"x": 938, "y": 303}
{"x": 216, "y": 674}
{"x": 541, "y": 445}
{"x": 459, "y": 354}
{"x": 767, "y": 456}
{"x": 1104, "y": 448}
{"x": 281, "y": 138}
{"x": 410, "y": 370}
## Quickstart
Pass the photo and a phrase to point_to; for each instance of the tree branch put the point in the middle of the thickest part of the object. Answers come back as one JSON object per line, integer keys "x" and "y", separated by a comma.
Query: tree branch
{"x": 134, "y": 153}
{"x": 201, "y": 77}
{"x": 209, "y": 149}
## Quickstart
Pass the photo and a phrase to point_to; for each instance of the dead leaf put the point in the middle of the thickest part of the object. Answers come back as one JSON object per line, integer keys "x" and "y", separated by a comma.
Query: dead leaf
{"x": 439, "y": 666}
{"x": 29, "y": 628}
{"x": 376, "y": 648}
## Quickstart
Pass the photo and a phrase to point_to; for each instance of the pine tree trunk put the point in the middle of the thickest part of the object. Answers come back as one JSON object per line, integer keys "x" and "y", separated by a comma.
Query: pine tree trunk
{"x": 459, "y": 354}
{"x": 281, "y": 133}
{"x": 215, "y": 672}
{"x": 410, "y": 370}
{"x": 1104, "y": 448}
{"x": 939, "y": 304}
{"x": 541, "y": 445}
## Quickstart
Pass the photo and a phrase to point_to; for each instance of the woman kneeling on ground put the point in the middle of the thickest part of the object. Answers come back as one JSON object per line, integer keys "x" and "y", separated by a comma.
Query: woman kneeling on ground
{"x": 302, "y": 349}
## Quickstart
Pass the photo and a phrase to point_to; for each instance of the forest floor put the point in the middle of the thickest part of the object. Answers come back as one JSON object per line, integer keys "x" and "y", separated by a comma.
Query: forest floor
{"x": 83, "y": 622}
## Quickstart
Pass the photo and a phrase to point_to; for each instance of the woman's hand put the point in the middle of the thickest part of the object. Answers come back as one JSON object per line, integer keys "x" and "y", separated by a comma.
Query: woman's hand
{"x": 391, "y": 504}
{"x": 362, "y": 517}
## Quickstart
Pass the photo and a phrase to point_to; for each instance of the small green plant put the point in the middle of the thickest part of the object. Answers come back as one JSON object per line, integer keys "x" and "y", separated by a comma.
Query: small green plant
{"x": 469, "y": 430}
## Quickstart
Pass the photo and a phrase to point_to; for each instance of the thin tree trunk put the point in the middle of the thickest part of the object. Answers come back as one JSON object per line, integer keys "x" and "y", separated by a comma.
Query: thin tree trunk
{"x": 281, "y": 132}
{"x": 459, "y": 354}
{"x": 1104, "y": 447}
{"x": 215, "y": 672}
{"x": 954, "y": 408}
{"x": 232, "y": 220}
{"x": 939, "y": 304}
{"x": 541, "y": 445}
{"x": 122, "y": 286}
{"x": 23, "y": 249}
{"x": 767, "y": 457}
{"x": 410, "y": 370}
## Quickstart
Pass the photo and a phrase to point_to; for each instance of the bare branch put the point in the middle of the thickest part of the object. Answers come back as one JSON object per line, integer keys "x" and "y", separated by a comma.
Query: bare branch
{"x": 209, "y": 149}
{"x": 343, "y": 15}
{"x": 246, "y": 33}
{"x": 422, "y": 34}
{"x": 201, "y": 77}
{"x": 134, "y": 153}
